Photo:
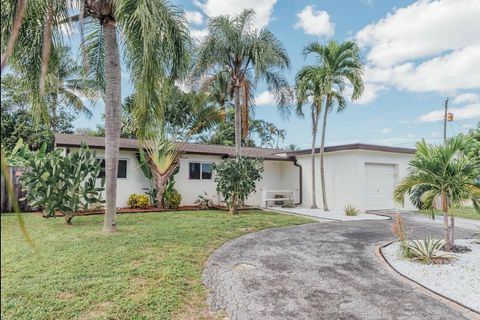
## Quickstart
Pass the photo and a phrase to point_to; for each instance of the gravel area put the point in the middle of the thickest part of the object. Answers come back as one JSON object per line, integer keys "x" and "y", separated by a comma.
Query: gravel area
{"x": 329, "y": 215}
{"x": 458, "y": 280}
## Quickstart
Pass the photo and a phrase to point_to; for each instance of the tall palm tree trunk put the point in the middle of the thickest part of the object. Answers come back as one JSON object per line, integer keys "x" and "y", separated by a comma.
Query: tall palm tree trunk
{"x": 314, "y": 142}
{"x": 322, "y": 151}
{"x": 112, "y": 122}
{"x": 238, "y": 119}
{"x": 245, "y": 109}
{"x": 446, "y": 228}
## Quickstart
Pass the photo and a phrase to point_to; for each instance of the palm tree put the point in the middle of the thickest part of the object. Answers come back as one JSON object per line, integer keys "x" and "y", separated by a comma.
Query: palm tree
{"x": 446, "y": 172}
{"x": 337, "y": 63}
{"x": 234, "y": 47}
{"x": 155, "y": 44}
{"x": 309, "y": 87}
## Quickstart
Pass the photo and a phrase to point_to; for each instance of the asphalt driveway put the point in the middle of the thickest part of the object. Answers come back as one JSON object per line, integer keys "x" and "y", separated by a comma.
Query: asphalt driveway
{"x": 318, "y": 271}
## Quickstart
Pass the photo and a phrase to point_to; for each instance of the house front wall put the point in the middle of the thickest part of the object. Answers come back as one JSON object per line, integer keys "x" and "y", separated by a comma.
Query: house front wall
{"x": 277, "y": 175}
{"x": 346, "y": 179}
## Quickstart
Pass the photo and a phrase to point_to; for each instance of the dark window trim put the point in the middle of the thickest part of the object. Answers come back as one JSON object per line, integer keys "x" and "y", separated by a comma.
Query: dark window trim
{"x": 201, "y": 171}
{"x": 119, "y": 159}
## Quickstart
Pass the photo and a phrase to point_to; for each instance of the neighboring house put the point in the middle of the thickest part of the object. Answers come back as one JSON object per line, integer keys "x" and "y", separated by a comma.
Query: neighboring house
{"x": 358, "y": 174}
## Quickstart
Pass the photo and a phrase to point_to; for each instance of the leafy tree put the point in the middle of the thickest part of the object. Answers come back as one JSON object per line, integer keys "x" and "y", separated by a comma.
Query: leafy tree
{"x": 236, "y": 180}
{"x": 155, "y": 44}
{"x": 446, "y": 172}
{"x": 17, "y": 119}
{"x": 337, "y": 64}
{"x": 233, "y": 47}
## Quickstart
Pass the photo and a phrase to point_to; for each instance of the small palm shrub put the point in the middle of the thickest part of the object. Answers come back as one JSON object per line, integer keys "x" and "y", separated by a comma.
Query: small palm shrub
{"x": 351, "y": 210}
{"x": 172, "y": 199}
{"x": 429, "y": 251}
{"x": 138, "y": 201}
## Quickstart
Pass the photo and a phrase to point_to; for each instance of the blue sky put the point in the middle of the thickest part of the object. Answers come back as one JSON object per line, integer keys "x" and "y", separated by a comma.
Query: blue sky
{"x": 417, "y": 54}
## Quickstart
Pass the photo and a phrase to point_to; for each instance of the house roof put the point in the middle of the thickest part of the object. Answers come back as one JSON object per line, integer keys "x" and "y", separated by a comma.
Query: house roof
{"x": 74, "y": 140}
{"x": 356, "y": 146}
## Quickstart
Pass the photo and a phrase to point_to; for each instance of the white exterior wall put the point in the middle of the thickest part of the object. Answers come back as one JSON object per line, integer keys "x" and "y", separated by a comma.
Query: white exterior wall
{"x": 135, "y": 181}
{"x": 345, "y": 176}
{"x": 277, "y": 175}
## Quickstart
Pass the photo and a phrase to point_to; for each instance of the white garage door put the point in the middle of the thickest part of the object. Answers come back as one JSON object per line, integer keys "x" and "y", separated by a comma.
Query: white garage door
{"x": 380, "y": 184}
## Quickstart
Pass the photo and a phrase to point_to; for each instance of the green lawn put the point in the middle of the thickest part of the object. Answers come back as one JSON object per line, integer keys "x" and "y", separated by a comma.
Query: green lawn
{"x": 150, "y": 269}
{"x": 467, "y": 213}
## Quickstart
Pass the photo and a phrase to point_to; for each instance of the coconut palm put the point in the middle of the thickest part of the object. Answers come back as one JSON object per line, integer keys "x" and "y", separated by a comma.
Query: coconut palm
{"x": 234, "y": 47}
{"x": 442, "y": 171}
{"x": 337, "y": 64}
{"x": 154, "y": 42}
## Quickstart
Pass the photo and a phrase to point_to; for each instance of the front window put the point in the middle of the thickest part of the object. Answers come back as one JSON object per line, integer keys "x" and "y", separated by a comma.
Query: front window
{"x": 200, "y": 170}
{"x": 122, "y": 169}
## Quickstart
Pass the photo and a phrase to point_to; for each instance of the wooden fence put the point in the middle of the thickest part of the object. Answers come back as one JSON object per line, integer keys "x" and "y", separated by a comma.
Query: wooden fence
{"x": 5, "y": 203}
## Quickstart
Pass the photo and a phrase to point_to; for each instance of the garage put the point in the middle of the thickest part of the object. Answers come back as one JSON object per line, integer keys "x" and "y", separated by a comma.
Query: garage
{"x": 380, "y": 184}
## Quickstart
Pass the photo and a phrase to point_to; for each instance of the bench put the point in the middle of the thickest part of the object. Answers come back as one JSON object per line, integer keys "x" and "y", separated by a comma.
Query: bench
{"x": 287, "y": 195}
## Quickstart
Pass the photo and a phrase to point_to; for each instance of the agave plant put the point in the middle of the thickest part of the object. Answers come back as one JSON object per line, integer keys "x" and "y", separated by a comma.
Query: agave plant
{"x": 429, "y": 251}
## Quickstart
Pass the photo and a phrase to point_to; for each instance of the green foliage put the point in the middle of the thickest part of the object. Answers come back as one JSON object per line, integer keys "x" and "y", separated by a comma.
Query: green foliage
{"x": 58, "y": 183}
{"x": 429, "y": 251}
{"x": 351, "y": 210}
{"x": 172, "y": 198}
{"x": 289, "y": 204}
{"x": 236, "y": 179}
{"x": 138, "y": 201}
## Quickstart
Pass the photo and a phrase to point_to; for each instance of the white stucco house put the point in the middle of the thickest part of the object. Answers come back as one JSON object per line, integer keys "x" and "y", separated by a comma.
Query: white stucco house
{"x": 358, "y": 174}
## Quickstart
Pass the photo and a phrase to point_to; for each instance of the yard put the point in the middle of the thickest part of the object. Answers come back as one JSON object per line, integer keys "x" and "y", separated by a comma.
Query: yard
{"x": 467, "y": 213}
{"x": 150, "y": 269}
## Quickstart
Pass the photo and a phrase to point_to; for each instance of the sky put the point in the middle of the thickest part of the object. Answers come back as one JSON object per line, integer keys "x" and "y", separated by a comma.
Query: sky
{"x": 417, "y": 54}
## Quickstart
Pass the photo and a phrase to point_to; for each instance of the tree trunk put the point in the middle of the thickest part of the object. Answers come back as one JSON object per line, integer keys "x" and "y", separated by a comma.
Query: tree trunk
{"x": 238, "y": 121}
{"x": 452, "y": 230}
{"x": 112, "y": 122}
{"x": 69, "y": 218}
{"x": 314, "y": 142}
{"x": 322, "y": 151}
{"x": 245, "y": 110}
{"x": 446, "y": 228}
{"x": 17, "y": 23}
{"x": 234, "y": 205}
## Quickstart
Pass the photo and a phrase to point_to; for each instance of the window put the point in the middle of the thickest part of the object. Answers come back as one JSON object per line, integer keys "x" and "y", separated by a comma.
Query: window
{"x": 122, "y": 169}
{"x": 200, "y": 171}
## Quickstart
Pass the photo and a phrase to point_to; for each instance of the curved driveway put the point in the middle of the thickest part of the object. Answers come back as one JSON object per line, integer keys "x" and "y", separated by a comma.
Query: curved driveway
{"x": 317, "y": 271}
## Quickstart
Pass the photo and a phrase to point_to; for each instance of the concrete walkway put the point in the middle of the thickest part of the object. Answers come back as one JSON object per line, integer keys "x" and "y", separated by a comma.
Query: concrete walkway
{"x": 318, "y": 271}
{"x": 327, "y": 215}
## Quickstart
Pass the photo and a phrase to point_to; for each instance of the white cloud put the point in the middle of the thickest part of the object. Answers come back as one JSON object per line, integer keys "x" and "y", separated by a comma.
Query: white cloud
{"x": 198, "y": 34}
{"x": 194, "y": 17}
{"x": 467, "y": 112}
{"x": 466, "y": 98}
{"x": 386, "y": 130}
{"x": 315, "y": 22}
{"x": 370, "y": 92}
{"x": 422, "y": 29}
{"x": 214, "y": 8}
{"x": 264, "y": 99}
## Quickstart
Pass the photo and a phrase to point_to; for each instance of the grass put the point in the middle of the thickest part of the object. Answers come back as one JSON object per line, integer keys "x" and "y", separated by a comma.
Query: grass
{"x": 467, "y": 213}
{"x": 150, "y": 269}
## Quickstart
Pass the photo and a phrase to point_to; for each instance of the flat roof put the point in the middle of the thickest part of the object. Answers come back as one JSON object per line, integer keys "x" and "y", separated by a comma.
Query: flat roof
{"x": 357, "y": 146}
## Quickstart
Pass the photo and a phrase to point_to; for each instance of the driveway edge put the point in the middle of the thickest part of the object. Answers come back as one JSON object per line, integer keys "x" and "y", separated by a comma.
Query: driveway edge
{"x": 466, "y": 311}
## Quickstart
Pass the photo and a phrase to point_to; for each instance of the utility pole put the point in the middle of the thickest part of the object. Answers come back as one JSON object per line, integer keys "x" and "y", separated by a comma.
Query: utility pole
{"x": 445, "y": 119}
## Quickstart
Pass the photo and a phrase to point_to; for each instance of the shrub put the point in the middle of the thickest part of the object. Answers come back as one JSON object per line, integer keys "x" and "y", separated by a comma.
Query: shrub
{"x": 289, "y": 204}
{"x": 351, "y": 210}
{"x": 236, "y": 179}
{"x": 54, "y": 182}
{"x": 172, "y": 198}
{"x": 138, "y": 201}
{"x": 428, "y": 251}
{"x": 204, "y": 201}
